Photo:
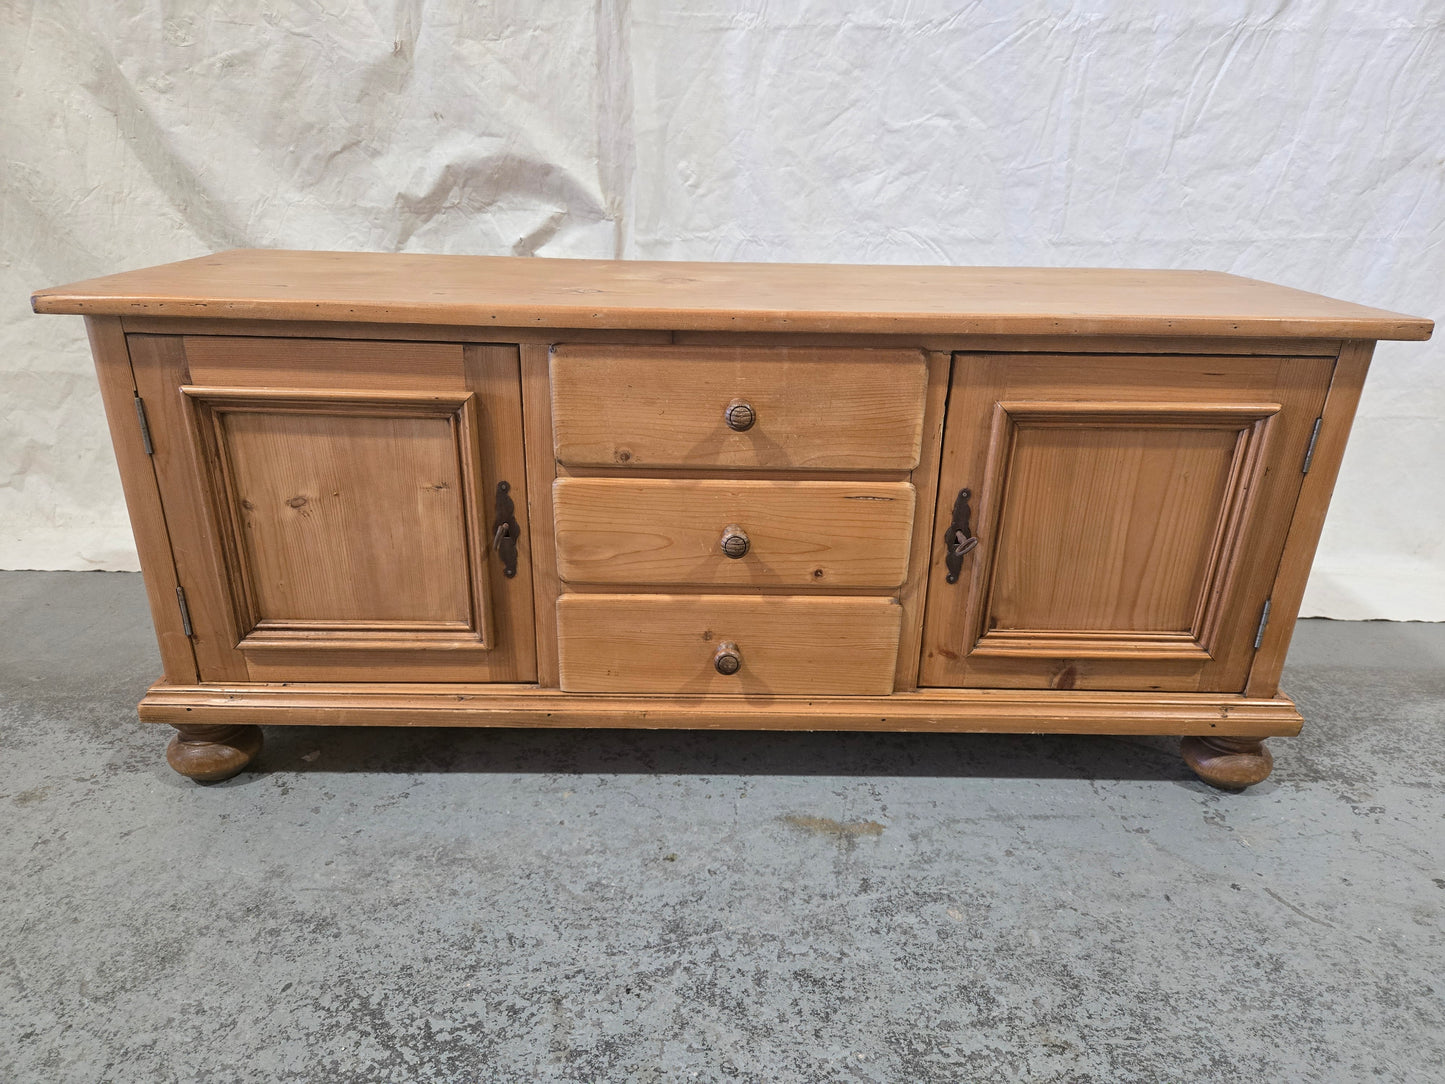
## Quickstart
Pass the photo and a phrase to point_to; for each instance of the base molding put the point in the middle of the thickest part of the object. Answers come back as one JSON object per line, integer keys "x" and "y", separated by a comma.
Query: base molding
{"x": 1011, "y": 711}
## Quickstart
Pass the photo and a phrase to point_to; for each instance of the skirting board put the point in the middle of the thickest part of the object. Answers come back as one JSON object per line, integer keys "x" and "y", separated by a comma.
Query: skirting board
{"x": 928, "y": 710}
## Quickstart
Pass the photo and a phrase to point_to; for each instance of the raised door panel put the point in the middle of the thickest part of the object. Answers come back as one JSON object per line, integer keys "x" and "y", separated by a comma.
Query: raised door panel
{"x": 331, "y": 515}
{"x": 329, "y": 527}
{"x": 1115, "y": 523}
{"x": 347, "y": 518}
{"x": 1129, "y": 518}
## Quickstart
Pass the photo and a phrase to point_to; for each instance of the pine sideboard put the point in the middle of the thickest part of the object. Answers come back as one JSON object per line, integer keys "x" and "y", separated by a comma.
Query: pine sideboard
{"x": 490, "y": 491}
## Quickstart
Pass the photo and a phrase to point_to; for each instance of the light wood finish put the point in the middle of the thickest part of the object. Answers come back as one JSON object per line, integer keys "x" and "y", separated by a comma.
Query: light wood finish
{"x": 1309, "y": 519}
{"x": 340, "y": 531}
{"x": 142, "y": 496}
{"x": 463, "y": 334}
{"x": 259, "y": 362}
{"x": 160, "y": 369}
{"x": 349, "y": 518}
{"x": 329, "y": 430}
{"x": 942, "y": 342}
{"x": 1130, "y": 518}
{"x": 666, "y": 644}
{"x": 927, "y": 710}
{"x": 494, "y": 379}
{"x": 541, "y": 471}
{"x": 1114, "y": 519}
{"x": 734, "y": 474}
{"x": 1083, "y": 346}
{"x": 925, "y": 481}
{"x": 651, "y": 531}
{"x": 504, "y": 291}
{"x": 641, "y": 407}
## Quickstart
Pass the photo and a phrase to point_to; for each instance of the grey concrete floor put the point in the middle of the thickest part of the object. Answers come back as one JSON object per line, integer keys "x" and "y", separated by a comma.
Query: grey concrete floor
{"x": 428, "y": 905}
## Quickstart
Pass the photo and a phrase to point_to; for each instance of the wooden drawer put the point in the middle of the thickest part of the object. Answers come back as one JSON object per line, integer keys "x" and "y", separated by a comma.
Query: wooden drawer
{"x": 791, "y": 534}
{"x": 666, "y": 406}
{"x": 669, "y": 643}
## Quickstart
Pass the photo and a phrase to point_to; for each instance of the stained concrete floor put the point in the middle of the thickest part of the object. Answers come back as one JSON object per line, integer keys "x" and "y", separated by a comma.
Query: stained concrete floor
{"x": 504, "y": 906}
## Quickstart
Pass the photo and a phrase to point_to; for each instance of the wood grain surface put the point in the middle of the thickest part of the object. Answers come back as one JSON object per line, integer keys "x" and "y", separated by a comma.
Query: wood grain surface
{"x": 541, "y": 471}
{"x": 665, "y": 406}
{"x": 328, "y": 430}
{"x": 260, "y": 361}
{"x": 142, "y": 495}
{"x": 800, "y": 534}
{"x": 925, "y": 480}
{"x": 503, "y": 291}
{"x": 1130, "y": 517}
{"x": 667, "y": 643}
{"x": 1051, "y": 711}
{"x": 365, "y": 549}
{"x": 351, "y": 512}
{"x": 1287, "y": 594}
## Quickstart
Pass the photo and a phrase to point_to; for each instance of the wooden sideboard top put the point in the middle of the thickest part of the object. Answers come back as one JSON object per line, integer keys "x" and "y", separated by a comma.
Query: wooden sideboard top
{"x": 507, "y": 291}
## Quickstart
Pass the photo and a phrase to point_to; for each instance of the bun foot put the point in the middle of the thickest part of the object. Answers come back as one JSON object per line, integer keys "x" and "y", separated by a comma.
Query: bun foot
{"x": 210, "y": 753}
{"x": 1228, "y": 763}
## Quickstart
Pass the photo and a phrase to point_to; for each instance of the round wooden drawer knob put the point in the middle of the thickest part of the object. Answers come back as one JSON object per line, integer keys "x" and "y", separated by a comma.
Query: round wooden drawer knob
{"x": 735, "y": 541}
{"x": 727, "y": 660}
{"x": 740, "y": 416}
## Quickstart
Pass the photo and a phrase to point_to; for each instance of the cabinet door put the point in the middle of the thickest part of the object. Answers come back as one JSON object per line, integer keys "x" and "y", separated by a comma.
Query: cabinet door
{"x": 332, "y": 504}
{"x": 1130, "y": 514}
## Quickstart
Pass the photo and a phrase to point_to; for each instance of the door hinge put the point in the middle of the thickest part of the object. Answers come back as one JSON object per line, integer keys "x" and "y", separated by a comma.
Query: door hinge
{"x": 185, "y": 611}
{"x": 1263, "y": 624}
{"x": 145, "y": 429}
{"x": 1310, "y": 450}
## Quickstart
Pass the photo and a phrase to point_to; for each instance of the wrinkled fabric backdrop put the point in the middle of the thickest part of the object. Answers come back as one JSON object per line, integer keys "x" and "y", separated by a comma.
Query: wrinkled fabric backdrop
{"x": 1298, "y": 142}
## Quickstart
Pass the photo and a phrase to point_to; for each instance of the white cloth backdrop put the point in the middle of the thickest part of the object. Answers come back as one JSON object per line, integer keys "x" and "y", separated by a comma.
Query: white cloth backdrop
{"x": 1298, "y": 142}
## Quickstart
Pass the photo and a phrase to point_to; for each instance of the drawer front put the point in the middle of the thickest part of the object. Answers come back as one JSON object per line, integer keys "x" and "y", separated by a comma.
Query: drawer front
{"x": 670, "y": 644}
{"x": 705, "y": 532}
{"x": 666, "y": 406}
